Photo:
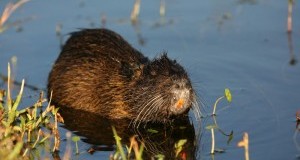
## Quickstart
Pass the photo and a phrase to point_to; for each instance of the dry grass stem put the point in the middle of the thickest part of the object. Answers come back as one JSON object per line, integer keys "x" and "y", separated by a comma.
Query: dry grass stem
{"x": 8, "y": 88}
{"x": 215, "y": 105}
{"x": 9, "y": 9}
{"x": 289, "y": 18}
{"x": 245, "y": 143}
{"x": 162, "y": 8}
{"x": 135, "y": 11}
{"x": 212, "y": 151}
{"x": 135, "y": 146}
{"x": 56, "y": 135}
{"x": 58, "y": 29}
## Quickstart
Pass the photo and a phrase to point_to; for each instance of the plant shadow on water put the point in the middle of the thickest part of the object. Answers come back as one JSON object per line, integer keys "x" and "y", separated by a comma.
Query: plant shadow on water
{"x": 159, "y": 139}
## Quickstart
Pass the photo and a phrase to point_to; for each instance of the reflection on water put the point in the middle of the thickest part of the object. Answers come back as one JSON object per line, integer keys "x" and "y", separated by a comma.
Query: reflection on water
{"x": 247, "y": 2}
{"x": 293, "y": 60}
{"x": 158, "y": 138}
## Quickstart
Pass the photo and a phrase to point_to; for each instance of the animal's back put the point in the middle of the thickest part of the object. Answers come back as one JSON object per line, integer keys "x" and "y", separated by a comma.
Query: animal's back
{"x": 89, "y": 71}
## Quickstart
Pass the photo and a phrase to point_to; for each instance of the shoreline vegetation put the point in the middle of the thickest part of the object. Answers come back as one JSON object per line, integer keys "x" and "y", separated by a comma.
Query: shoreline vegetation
{"x": 24, "y": 133}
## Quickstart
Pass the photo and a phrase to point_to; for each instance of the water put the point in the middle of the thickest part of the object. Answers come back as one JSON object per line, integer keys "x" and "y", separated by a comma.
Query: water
{"x": 239, "y": 44}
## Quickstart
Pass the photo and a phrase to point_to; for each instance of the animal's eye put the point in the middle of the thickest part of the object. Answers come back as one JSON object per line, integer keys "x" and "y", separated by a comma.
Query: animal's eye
{"x": 177, "y": 86}
{"x": 153, "y": 73}
{"x": 187, "y": 83}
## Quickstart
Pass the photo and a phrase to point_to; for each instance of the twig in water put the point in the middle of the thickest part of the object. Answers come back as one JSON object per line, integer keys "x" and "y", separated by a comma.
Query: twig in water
{"x": 56, "y": 132}
{"x": 212, "y": 151}
{"x": 289, "y": 18}
{"x": 211, "y": 128}
{"x": 135, "y": 11}
{"x": 245, "y": 143}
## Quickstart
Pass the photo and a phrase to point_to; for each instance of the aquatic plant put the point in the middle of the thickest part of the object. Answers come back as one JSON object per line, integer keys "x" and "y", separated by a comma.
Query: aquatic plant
{"x": 212, "y": 127}
{"x": 179, "y": 146}
{"x": 25, "y": 132}
{"x": 136, "y": 149}
{"x": 121, "y": 152}
{"x": 227, "y": 95}
{"x": 76, "y": 139}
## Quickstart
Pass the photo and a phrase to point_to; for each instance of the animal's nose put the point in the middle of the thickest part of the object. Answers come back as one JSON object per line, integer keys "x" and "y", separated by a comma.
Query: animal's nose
{"x": 180, "y": 103}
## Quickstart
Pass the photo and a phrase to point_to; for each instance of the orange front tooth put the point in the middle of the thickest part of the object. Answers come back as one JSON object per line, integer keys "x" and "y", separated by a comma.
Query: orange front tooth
{"x": 180, "y": 103}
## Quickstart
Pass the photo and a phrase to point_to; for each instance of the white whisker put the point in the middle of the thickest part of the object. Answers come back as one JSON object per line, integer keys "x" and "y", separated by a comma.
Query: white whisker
{"x": 142, "y": 112}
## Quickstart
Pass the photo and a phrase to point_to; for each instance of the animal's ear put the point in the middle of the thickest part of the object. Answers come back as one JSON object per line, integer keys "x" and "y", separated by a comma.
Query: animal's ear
{"x": 131, "y": 71}
{"x": 126, "y": 70}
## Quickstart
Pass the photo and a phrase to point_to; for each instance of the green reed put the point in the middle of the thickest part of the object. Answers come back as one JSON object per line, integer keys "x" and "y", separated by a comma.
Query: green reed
{"x": 25, "y": 131}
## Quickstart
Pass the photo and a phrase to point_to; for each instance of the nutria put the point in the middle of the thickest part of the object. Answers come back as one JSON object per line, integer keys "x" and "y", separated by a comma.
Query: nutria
{"x": 98, "y": 71}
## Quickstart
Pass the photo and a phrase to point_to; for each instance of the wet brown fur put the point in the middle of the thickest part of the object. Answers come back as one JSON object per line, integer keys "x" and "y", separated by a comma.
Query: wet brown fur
{"x": 98, "y": 71}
